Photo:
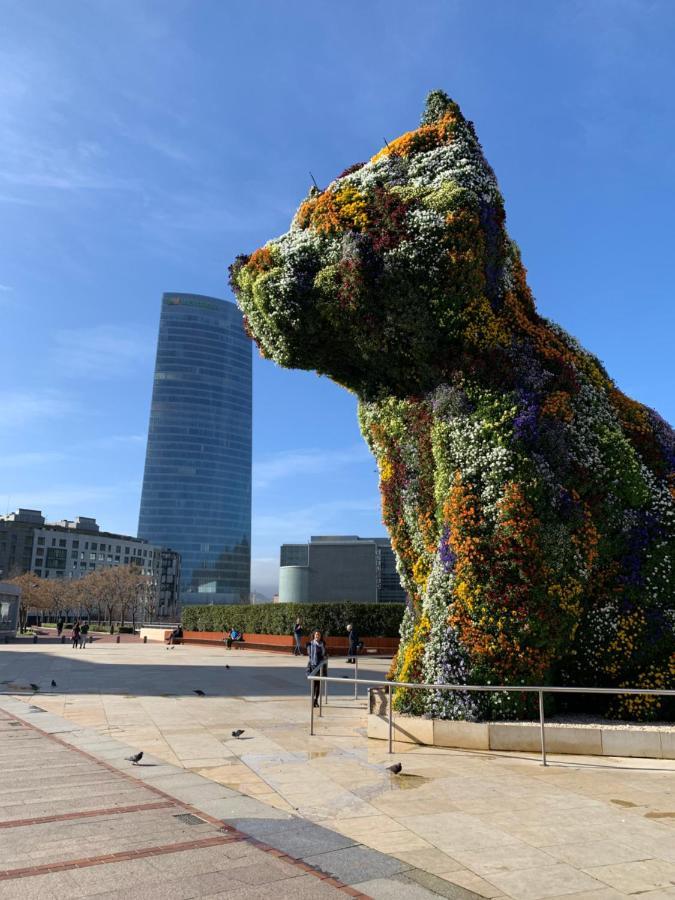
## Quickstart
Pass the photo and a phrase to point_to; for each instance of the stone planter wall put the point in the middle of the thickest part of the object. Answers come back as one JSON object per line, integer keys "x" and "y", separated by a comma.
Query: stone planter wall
{"x": 650, "y": 741}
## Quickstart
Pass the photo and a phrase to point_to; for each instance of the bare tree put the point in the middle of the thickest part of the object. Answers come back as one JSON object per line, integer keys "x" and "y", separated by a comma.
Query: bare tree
{"x": 33, "y": 595}
{"x": 119, "y": 590}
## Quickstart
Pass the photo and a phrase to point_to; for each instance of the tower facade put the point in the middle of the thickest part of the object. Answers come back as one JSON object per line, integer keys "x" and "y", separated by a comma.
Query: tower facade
{"x": 197, "y": 482}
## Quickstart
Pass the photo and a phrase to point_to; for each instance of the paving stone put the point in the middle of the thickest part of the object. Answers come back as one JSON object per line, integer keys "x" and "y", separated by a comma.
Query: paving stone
{"x": 357, "y": 863}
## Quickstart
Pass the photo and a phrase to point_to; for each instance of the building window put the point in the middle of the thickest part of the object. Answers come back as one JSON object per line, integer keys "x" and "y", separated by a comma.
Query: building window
{"x": 41, "y": 542}
{"x": 126, "y": 560}
{"x": 117, "y": 559}
{"x": 62, "y": 542}
{"x": 76, "y": 543}
{"x": 53, "y": 542}
{"x": 38, "y": 572}
{"x": 101, "y": 557}
{"x": 86, "y": 545}
{"x": 40, "y": 551}
{"x": 126, "y": 550}
{"x": 118, "y": 549}
{"x": 92, "y": 556}
{"x": 94, "y": 546}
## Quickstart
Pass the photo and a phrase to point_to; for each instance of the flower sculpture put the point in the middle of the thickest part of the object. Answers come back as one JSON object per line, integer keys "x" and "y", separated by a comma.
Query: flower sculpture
{"x": 530, "y": 503}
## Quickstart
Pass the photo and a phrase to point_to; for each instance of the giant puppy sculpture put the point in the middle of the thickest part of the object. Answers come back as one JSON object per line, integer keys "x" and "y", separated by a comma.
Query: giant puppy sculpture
{"x": 530, "y": 503}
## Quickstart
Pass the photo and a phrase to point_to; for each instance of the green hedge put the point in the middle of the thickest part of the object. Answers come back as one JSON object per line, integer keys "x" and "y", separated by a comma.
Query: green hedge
{"x": 369, "y": 619}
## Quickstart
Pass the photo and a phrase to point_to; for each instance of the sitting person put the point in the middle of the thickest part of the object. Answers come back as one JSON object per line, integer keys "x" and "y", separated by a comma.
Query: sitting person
{"x": 176, "y": 635}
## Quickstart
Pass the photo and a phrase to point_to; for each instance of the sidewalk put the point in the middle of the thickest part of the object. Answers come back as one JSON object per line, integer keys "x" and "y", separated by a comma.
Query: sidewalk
{"x": 477, "y": 823}
{"x": 78, "y": 820}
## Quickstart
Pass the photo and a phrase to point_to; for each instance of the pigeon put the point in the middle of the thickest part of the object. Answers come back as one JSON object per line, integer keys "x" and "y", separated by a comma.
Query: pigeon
{"x": 226, "y": 666}
{"x": 53, "y": 683}
{"x": 238, "y": 733}
{"x": 136, "y": 758}
{"x": 36, "y": 687}
{"x": 396, "y": 769}
{"x": 199, "y": 693}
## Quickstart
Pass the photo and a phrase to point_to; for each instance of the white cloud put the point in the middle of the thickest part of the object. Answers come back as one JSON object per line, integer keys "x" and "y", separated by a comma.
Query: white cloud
{"x": 20, "y": 407}
{"x": 69, "y": 499}
{"x": 4, "y": 288}
{"x": 104, "y": 351}
{"x": 305, "y": 462}
{"x": 318, "y": 518}
{"x": 21, "y": 460}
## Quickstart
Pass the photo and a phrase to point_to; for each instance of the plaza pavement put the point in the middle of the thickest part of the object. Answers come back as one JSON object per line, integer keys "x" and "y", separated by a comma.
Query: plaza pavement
{"x": 457, "y": 824}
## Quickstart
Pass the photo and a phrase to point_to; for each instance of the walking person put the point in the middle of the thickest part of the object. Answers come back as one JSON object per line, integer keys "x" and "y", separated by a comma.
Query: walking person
{"x": 84, "y": 632}
{"x": 75, "y": 633}
{"x": 353, "y": 644}
{"x": 59, "y": 626}
{"x": 297, "y": 635}
{"x": 317, "y": 653}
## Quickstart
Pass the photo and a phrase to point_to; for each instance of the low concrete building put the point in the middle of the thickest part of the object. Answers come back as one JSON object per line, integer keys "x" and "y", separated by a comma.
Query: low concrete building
{"x": 339, "y": 568}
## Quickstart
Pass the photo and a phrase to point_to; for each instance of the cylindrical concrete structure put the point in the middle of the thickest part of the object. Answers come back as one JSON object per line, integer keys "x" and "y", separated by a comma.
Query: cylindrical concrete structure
{"x": 294, "y": 584}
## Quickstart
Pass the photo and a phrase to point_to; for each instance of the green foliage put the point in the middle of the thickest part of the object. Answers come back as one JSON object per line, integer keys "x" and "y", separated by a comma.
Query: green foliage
{"x": 369, "y": 619}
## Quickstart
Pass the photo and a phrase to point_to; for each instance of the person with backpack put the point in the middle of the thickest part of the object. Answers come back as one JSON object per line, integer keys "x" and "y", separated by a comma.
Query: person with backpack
{"x": 317, "y": 653}
{"x": 84, "y": 632}
{"x": 354, "y": 644}
{"x": 297, "y": 635}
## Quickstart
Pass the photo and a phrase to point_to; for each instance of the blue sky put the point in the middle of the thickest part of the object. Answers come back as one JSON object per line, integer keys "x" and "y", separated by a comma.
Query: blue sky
{"x": 144, "y": 144}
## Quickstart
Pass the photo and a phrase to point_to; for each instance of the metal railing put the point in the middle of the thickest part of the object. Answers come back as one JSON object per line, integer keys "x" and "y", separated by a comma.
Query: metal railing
{"x": 390, "y": 686}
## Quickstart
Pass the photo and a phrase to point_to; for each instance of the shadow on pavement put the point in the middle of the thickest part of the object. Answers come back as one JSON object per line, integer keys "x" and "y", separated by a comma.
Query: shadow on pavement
{"x": 76, "y": 674}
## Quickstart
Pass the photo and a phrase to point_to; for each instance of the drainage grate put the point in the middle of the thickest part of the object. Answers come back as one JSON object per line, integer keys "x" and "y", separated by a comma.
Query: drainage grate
{"x": 189, "y": 819}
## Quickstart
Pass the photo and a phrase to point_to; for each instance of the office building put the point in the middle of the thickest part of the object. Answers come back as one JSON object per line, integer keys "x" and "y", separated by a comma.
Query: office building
{"x": 334, "y": 569}
{"x": 16, "y": 541}
{"x": 73, "y": 548}
{"x": 197, "y": 482}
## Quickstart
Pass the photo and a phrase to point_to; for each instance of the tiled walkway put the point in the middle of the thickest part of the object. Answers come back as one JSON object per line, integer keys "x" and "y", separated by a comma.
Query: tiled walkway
{"x": 457, "y": 824}
{"x": 78, "y": 820}
{"x": 73, "y": 826}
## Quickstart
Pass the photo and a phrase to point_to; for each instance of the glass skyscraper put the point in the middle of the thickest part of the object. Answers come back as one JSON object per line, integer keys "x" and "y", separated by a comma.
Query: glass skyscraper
{"x": 197, "y": 483}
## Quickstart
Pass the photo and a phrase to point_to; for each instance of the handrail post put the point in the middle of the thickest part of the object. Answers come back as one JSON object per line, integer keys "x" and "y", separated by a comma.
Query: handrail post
{"x": 390, "y": 719}
{"x": 320, "y": 672}
{"x": 356, "y": 676}
{"x": 325, "y": 675}
{"x": 311, "y": 706}
{"x": 541, "y": 728}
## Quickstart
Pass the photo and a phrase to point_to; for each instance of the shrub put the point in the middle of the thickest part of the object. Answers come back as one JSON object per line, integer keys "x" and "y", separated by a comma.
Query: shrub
{"x": 370, "y": 619}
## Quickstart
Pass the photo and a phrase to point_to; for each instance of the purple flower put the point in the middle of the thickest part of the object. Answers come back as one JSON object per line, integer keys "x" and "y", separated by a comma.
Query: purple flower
{"x": 525, "y": 424}
{"x": 448, "y": 558}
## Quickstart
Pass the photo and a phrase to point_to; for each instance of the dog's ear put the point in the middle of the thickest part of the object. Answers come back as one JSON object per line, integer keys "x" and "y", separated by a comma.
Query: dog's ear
{"x": 437, "y": 105}
{"x": 381, "y": 274}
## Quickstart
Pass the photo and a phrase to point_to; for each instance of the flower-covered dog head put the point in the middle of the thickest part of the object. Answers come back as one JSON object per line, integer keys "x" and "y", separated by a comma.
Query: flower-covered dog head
{"x": 384, "y": 273}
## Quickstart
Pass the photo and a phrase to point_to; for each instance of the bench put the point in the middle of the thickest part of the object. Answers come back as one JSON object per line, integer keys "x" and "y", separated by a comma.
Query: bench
{"x": 284, "y": 643}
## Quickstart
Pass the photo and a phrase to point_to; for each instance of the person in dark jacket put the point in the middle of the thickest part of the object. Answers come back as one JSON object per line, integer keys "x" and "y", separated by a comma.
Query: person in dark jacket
{"x": 84, "y": 631}
{"x": 75, "y": 634}
{"x": 297, "y": 635}
{"x": 353, "y": 643}
{"x": 317, "y": 653}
